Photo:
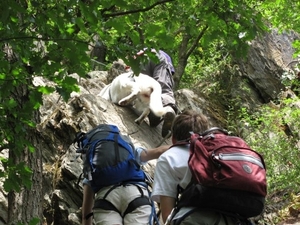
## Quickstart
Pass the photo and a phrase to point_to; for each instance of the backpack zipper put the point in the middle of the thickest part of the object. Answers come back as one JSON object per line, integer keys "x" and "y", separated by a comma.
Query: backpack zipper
{"x": 238, "y": 157}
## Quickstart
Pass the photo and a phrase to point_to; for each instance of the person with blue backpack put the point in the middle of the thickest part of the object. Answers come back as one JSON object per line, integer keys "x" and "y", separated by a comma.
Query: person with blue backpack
{"x": 115, "y": 188}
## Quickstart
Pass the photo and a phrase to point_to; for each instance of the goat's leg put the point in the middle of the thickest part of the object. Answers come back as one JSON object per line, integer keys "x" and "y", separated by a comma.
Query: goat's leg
{"x": 142, "y": 116}
{"x": 129, "y": 98}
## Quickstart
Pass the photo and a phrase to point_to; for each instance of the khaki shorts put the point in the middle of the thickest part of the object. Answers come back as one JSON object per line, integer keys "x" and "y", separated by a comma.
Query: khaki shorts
{"x": 120, "y": 197}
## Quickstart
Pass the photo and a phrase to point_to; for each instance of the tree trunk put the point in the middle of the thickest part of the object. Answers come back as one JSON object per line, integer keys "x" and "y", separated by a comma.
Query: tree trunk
{"x": 182, "y": 61}
{"x": 28, "y": 203}
{"x": 187, "y": 46}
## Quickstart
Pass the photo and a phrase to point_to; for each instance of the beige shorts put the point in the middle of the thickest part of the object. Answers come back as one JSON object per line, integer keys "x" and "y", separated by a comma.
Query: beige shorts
{"x": 120, "y": 197}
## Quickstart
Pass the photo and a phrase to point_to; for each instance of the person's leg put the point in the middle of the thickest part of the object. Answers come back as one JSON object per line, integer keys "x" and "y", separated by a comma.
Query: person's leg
{"x": 165, "y": 79}
{"x": 167, "y": 118}
{"x": 140, "y": 216}
{"x": 154, "y": 121}
{"x": 168, "y": 121}
{"x": 107, "y": 217}
{"x": 163, "y": 76}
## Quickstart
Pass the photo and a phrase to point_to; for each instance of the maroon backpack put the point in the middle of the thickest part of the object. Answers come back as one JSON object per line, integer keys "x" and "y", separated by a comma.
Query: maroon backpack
{"x": 227, "y": 175}
{"x": 223, "y": 161}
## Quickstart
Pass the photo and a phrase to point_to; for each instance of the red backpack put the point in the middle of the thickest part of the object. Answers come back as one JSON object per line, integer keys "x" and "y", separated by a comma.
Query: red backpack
{"x": 227, "y": 175}
{"x": 224, "y": 161}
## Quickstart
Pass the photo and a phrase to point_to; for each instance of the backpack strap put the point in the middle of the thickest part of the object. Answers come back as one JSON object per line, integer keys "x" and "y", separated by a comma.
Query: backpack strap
{"x": 79, "y": 179}
{"x": 214, "y": 129}
{"x": 135, "y": 203}
{"x": 116, "y": 147}
{"x": 179, "y": 220}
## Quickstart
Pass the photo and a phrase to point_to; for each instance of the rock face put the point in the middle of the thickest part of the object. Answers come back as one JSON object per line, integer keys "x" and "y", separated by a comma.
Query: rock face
{"x": 60, "y": 121}
{"x": 267, "y": 60}
{"x": 257, "y": 79}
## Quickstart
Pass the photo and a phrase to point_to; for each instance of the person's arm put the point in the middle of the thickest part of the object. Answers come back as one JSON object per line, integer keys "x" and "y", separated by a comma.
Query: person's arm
{"x": 87, "y": 204}
{"x": 166, "y": 206}
{"x": 146, "y": 155}
{"x": 141, "y": 52}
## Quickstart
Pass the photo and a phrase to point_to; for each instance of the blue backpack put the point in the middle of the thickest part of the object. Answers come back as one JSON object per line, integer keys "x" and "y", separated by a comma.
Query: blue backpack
{"x": 108, "y": 157}
{"x": 109, "y": 160}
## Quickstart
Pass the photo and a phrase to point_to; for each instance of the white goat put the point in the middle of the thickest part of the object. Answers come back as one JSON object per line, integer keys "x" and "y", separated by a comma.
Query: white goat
{"x": 141, "y": 92}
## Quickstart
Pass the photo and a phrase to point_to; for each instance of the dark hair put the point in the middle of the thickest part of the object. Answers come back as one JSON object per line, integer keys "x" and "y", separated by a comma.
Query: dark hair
{"x": 189, "y": 120}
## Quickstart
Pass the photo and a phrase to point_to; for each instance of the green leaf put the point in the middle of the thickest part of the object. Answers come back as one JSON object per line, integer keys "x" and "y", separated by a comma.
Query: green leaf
{"x": 10, "y": 184}
{"x": 31, "y": 149}
{"x": 46, "y": 89}
{"x": 14, "y": 19}
{"x": 11, "y": 104}
{"x": 15, "y": 72}
{"x": 80, "y": 24}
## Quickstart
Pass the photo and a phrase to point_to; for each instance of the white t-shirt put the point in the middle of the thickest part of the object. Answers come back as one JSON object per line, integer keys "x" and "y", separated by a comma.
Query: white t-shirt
{"x": 171, "y": 170}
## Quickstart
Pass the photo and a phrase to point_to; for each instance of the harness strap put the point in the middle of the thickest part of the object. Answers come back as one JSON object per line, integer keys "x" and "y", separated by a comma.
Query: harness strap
{"x": 135, "y": 203}
{"x": 112, "y": 188}
{"x": 153, "y": 218}
{"x": 88, "y": 216}
{"x": 106, "y": 205}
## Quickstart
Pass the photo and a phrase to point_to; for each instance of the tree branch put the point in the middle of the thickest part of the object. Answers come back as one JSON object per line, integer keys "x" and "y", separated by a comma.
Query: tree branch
{"x": 194, "y": 45}
{"x": 137, "y": 10}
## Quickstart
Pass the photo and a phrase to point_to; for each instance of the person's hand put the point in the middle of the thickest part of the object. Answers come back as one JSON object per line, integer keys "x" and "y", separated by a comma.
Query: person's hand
{"x": 140, "y": 53}
{"x": 141, "y": 155}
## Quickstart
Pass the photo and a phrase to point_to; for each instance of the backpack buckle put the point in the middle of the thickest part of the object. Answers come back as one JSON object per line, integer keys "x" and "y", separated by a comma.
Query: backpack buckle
{"x": 215, "y": 158}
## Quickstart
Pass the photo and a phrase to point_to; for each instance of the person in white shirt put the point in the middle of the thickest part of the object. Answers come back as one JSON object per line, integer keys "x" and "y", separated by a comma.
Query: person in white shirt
{"x": 172, "y": 170}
